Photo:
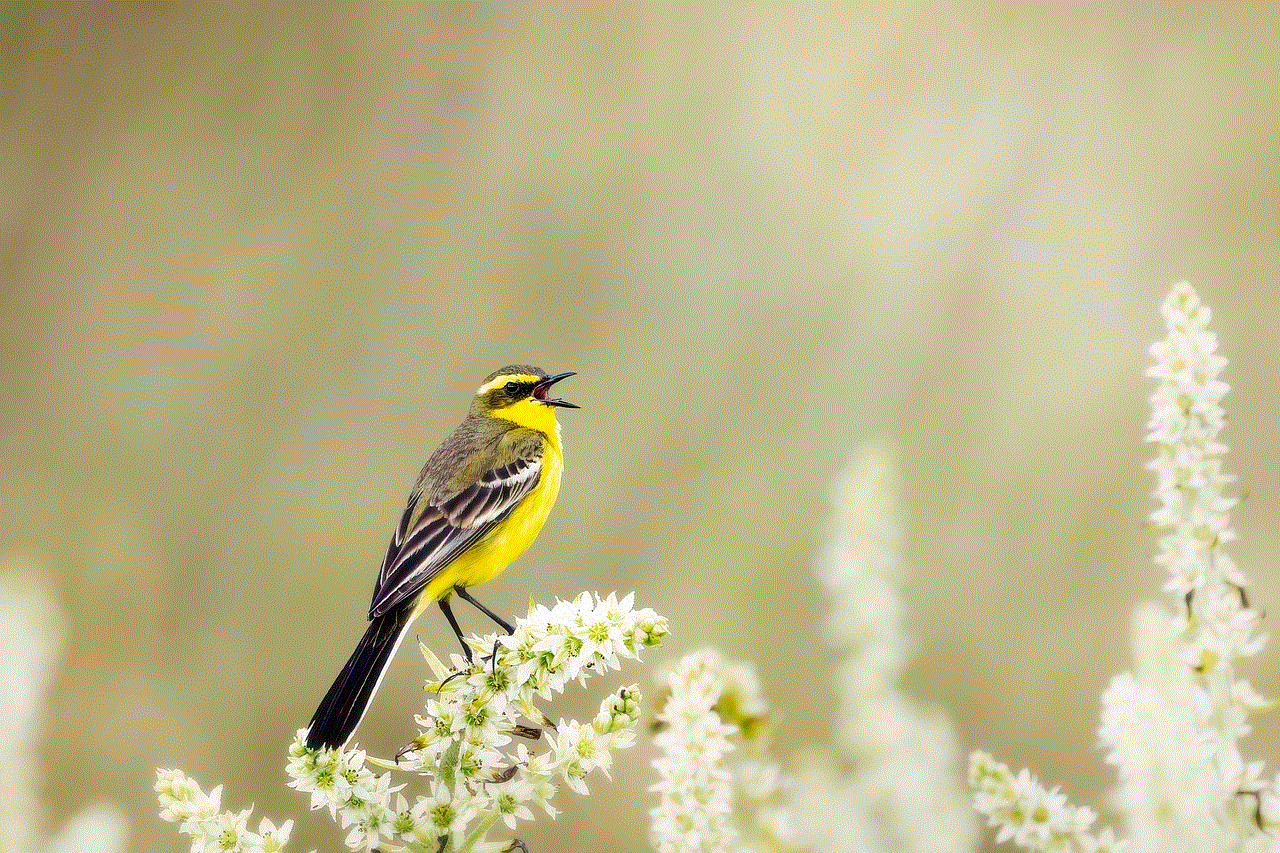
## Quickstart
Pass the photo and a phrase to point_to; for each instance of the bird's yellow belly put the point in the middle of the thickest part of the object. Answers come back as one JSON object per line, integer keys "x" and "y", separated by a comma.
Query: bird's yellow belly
{"x": 486, "y": 559}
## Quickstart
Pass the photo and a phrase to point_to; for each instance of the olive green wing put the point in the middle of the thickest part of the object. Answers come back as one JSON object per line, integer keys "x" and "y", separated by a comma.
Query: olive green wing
{"x": 431, "y": 537}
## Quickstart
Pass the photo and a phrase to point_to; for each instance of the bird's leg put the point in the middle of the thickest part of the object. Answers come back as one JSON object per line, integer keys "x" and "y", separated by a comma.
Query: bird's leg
{"x": 466, "y": 596}
{"x": 453, "y": 623}
{"x": 493, "y": 658}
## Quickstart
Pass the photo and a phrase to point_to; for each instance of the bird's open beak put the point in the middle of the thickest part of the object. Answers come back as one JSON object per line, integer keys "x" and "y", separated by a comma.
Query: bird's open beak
{"x": 540, "y": 391}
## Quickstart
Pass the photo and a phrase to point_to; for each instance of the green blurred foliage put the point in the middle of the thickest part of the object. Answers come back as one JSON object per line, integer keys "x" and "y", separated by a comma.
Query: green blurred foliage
{"x": 253, "y": 259}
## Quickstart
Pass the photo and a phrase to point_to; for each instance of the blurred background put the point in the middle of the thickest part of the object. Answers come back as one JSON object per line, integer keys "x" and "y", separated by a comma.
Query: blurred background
{"x": 254, "y": 259}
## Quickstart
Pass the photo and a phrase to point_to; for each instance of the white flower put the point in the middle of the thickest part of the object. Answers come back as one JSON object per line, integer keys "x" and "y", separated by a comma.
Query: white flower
{"x": 714, "y": 704}
{"x": 1172, "y": 728}
{"x": 511, "y": 799}
{"x": 274, "y": 838}
{"x": 473, "y": 742}
{"x": 1030, "y": 815}
{"x": 199, "y": 816}
{"x": 894, "y": 781}
{"x": 32, "y": 628}
{"x": 449, "y": 809}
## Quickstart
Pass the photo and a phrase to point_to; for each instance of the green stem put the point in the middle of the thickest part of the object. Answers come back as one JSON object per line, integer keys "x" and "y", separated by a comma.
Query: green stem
{"x": 477, "y": 835}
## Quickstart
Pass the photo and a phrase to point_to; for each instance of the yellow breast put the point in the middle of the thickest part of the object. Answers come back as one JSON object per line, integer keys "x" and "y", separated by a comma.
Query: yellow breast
{"x": 486, "y": 559}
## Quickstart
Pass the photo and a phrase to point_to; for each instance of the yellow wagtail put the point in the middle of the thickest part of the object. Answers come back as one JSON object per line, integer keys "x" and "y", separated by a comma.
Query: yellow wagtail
{"x": 478, "y": 504}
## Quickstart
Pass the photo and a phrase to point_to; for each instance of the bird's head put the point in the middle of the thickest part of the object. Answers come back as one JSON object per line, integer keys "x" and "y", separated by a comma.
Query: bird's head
{"x": 522, "y": 395}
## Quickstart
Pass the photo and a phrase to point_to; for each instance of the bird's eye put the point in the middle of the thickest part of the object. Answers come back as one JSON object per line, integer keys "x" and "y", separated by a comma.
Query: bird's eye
{"x": 511, "y": 387}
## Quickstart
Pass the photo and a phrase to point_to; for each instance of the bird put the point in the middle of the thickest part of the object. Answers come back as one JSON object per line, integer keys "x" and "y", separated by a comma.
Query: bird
{"x": 479, "y": 502}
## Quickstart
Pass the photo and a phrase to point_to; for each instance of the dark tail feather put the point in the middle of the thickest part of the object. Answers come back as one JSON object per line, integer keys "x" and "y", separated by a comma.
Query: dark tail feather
{"x": 344, "y": 705}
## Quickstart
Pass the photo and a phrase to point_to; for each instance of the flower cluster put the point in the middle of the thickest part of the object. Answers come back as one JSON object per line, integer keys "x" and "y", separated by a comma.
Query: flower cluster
{"x": 1186, "y": 417}
{"x": 476, "y": 741}
{"x": 199, "y": 816}
{"x": 890, "y": 784}
{"x": 894, "y": 782}
{"x": 1172, "y": 727}
{"x": 1031, "y": 816}
{"x": 32, "y": 627}
{"x": 713, "y": 710}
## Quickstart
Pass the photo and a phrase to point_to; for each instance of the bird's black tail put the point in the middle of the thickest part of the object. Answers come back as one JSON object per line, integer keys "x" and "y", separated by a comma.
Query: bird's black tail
{"x": 344, "y": 705}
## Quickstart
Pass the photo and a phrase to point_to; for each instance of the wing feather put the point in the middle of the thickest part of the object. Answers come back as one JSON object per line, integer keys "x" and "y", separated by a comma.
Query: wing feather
{"x": 446, "y": 527}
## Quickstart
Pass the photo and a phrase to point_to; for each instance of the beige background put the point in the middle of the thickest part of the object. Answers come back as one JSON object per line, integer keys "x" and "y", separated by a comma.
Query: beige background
{"x": 254, "y": 259}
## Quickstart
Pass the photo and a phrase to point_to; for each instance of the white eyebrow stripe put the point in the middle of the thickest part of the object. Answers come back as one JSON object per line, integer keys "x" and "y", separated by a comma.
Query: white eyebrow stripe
{"x": 504, "y": 379}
